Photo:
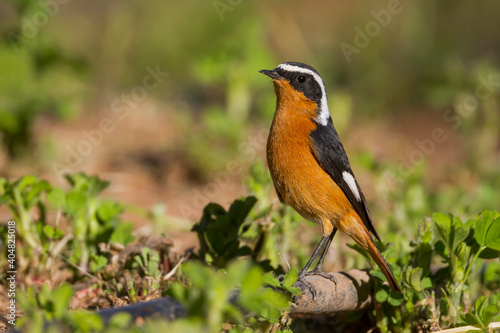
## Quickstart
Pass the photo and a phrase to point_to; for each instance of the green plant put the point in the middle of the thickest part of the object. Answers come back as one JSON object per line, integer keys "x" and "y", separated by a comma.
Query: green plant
{"x": 441, "y": 278}
{"x": 91, "y": 220}
{"x": 230, "y": 284}
{"x": 46, "y": 310}
{"x": 88, "y": 232}
{"x": 21, "y": 197}
{"x": 225, "y": 237}
{"x": 220, "y": 232}
{"x": 211, "y": 296}
{"x": 149, "y": 263}
{"x": 483, "y": 313}
{"x": 31, "y": 61}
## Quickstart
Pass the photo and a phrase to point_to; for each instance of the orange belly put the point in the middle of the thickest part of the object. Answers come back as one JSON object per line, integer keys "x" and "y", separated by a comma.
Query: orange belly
{"x": 298, "y": 178}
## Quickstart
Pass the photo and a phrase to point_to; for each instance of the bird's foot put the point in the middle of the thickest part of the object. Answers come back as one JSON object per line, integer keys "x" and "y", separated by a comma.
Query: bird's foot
{"x": 317, "y": 272}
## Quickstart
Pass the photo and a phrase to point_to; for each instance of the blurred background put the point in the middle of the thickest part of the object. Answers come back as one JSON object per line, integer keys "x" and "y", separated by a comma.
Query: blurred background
{"x": 164, "y": 98}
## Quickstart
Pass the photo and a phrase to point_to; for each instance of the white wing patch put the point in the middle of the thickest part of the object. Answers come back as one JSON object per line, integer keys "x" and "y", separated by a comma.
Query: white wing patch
{"x": 349, "y": 179}
{"x": 324, "y": 113}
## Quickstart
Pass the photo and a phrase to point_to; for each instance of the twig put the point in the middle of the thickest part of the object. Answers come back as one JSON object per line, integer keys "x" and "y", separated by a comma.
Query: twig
{"x": 286, "y": 261}
{"x": 84, "y": 272}
{"x": 173, "y": 270}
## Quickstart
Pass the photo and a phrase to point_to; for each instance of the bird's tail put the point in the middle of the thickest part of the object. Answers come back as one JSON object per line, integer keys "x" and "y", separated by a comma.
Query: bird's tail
{"x": 363, "y": 238}
{"x": 377, "y": 256}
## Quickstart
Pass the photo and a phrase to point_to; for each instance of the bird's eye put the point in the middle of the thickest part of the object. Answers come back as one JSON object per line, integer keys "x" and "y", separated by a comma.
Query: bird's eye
{"x": 301, "y": 78}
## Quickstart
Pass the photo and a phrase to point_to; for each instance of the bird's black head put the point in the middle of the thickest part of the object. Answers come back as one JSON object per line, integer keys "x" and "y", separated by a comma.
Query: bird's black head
{"x": 301, "y": 77}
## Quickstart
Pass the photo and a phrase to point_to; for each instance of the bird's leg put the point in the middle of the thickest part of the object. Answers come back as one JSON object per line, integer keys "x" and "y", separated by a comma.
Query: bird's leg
{"x": 323, "y": 255}
{"x": 317, "y": 270}
{"x": 303, "y": 271}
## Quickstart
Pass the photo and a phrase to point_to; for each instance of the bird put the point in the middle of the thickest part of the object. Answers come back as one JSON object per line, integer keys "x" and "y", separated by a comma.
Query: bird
{"x": 310, "y": 169}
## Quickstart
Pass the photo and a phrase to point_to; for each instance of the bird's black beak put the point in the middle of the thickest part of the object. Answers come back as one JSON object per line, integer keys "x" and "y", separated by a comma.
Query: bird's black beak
{"x": 271, "y": 73}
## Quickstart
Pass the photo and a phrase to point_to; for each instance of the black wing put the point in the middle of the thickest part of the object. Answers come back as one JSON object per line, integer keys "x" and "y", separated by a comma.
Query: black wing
{"x": 330, "y": 154}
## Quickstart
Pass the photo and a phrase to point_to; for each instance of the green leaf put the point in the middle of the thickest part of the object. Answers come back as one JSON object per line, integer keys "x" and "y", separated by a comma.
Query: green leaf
{"x": 48, "y": 231}
{"x": 379, "y": 275}
{"x": 4, "y": 185}
{"x": 483, "y": 222}
{"x": 396, "y": 298}
{"x": 251, "y": 288}
{"x": 31, "y": 198}
{"x": 360, "y": 250}
{"x": 425, "y": 232}
{"x": 252, "y": 280}
{"x": 153, "y": 263}
{"x": 98, "y": 262}
{"x": 91, "y": 185}
{"x": 4, "y": 198}
{"x": 416, "y": 278}
{"x": 57, "y": 197}
{"x": 87, "y": 321}
{"x": 120, "y": 320}
{"x": 240, "y": 209}
{"x": 490, "y": 313}
{"x": 216, "y": 240}
{"x": 480, "y": 303}
{"x": 293, "y": 290}
{"x": 200, "y": 275}
{"x": 382, "y": 295}
{"x": 272, "y": 304}
{"x": 237, "y": 271}
{"x": 491, "y": 272}
{"x": 461, "y": 234}
{"x": 443, "y": 225}
{"x": 269, "y": 279}
{"x": 290, "y": 278}
{"x": 426, "y": 283}
{"x": 145, "y": 251}
{"x": 108, "y": 210}
{"x": 462, "y": 253}
{"x": 76, "y": 201}
{"x": 58, "y": 233}
{"x": 25, "y": 181}
{"x": 234, "y": 313}
{"x": 471, "y": 319}
{"x": 179, "y": 292}
{"x": 43, "y": 296}
{"x": 122, "y": 234}
{"x": 492, "y": 239}
{"x": 61, "y": 297}
{"x": 488, "y": 253}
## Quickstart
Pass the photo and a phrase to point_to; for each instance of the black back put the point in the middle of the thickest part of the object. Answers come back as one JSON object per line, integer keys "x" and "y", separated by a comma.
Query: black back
{"x": 330, "y": 154}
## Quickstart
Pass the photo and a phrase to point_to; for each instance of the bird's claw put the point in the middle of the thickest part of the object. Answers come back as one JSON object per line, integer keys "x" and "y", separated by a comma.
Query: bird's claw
{"x": 317, "y": 272}
{"x": 323, "y": 274}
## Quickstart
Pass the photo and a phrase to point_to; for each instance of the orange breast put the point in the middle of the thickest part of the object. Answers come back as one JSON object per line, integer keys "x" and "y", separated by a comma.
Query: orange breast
{"x": 297, "y": 176}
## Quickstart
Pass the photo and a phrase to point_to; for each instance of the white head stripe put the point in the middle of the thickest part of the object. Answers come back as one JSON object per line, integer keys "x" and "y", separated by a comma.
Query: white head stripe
{"x": 349, "y": 179}
{"x": 324, "y": 114}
